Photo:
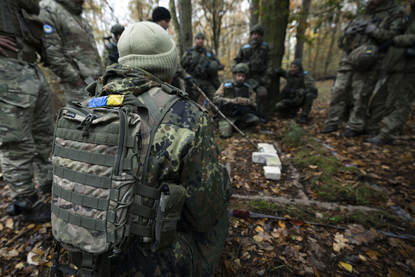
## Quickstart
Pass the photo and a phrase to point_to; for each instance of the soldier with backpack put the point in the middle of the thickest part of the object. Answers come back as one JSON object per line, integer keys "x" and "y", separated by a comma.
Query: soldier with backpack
{"x": 138, "y": 190}
{"x": 110, "y": 54}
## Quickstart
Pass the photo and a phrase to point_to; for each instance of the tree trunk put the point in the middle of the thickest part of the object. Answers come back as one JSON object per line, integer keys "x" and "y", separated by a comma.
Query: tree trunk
{"x": 185, "y": 16}
{"x": 254, "y": 13}
{"x": 275, "y": 14}
{"x": 301, "y": 28}
{"x": 334, "y": 30}
{"x": 176, "y": 26}
{"x": 320, "y": 38}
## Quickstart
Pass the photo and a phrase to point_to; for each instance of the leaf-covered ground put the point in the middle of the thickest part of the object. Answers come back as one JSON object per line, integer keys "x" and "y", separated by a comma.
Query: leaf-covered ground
{"x": 305, "y": 240}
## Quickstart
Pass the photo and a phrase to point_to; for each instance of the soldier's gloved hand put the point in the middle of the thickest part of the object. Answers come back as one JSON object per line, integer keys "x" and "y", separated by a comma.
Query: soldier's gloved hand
{"x": 370, "y": 28}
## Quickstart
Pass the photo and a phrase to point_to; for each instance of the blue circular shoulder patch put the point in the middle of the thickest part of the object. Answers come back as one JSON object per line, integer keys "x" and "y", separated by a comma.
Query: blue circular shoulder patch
{"x": 47, "y": 29}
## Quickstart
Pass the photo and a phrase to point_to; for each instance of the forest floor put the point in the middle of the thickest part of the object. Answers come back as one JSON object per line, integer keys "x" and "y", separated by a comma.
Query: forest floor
{"x": 371, "y": 190}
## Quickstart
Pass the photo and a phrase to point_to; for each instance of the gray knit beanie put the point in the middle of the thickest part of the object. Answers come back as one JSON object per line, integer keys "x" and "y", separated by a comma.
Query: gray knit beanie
{"x": 148, "y": 46}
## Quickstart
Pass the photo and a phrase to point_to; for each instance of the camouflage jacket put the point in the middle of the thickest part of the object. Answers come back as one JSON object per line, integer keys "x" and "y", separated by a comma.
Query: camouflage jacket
{"x": 301, "y": 83}
{"x": 389, "y": 20}
{"x": 257, "y": 58}
{"x": 19, "y": 23}
{"x": 231, "y": 92}
{"x": 183, "y": 151}
{"x": 70, "y": 46}
{"x": 400, "y": 57}
{"x": 201, "y": 63}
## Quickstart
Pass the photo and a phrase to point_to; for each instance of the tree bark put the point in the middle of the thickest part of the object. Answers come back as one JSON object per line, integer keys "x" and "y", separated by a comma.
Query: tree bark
{"x": 185, "y": 17}
{"x": 176, "y": 26}
{"x": 275, "y": 14}
{"x": 334, "y": 30}
{"x": 254, "y": 13}
{"x": 301, "y": 28}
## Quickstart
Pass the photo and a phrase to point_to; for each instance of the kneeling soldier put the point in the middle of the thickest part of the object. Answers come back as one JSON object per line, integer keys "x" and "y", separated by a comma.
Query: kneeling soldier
{"x": 299, "y": 92}
{"x": 236, "y": 99}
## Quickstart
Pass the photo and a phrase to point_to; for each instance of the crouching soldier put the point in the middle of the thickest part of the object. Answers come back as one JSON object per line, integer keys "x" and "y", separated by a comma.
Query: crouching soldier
{"x": 236, "y": 99}
{"x": 299, "y": 93}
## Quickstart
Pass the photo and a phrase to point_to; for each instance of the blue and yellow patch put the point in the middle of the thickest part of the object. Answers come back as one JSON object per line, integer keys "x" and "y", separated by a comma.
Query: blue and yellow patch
{"x": 112, "y": 100}
{"x": 48, "y": 29}
{"x": 228, "y": 84}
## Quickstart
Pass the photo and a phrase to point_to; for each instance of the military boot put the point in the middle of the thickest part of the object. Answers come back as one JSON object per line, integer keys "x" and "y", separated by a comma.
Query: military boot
{"x": 329, "y": 129}
{"x": 349, "y": 133}
{"x": 379, "y": 140}
{"x": 31, "y": 208}
{"x": 21, "y": 204}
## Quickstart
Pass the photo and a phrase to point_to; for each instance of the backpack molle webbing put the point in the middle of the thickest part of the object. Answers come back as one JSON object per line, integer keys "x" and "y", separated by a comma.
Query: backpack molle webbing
{"x": 99, "y": 186}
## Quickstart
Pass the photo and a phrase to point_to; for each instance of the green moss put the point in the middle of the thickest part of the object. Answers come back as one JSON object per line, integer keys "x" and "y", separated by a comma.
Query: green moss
{"x": 310, "y": 154}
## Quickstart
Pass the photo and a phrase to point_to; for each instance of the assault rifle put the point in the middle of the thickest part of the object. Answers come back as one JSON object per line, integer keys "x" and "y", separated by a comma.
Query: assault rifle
{"x": 359, "y": 27}
{"x": 233, "y": 109}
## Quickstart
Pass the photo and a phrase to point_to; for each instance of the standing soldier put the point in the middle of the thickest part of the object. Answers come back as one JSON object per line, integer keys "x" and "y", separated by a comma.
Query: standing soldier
{"x": 70, "y": 46}
{"x": 299, "y": 93}
{"x": 25, "y": 112}
{"x": 390, "y": 107}
{"x": 364, "y": 43}
{"x": 202, "y": 65}
{"x": 110, "y": 55}
{"x": 256, "y": 54}
{"x": 237, "y": 100}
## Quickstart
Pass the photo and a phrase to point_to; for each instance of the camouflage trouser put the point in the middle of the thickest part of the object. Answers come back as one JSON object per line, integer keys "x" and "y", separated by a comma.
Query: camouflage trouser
{"x": 26, "y": 127}
{"x": 340, "y": 98}
{"x": 226, "y": 129}
{"x": 261, "y": 93}
{"x": 194, "y": 254}
{"x": 390, "y": 107}
{"x": 308, "y": 103}
{"x": 73, "y": 94}
{"x": 363, "y": 84}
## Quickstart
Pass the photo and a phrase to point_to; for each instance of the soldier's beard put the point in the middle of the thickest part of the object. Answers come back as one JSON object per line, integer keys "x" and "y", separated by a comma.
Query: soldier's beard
{"x": 255, "y": 42}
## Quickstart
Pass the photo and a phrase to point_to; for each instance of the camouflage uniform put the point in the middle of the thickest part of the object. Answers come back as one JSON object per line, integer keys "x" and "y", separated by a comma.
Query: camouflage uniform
{"x": 390, "y": 106}
{"x": 387, "y": 20}
{"x": 299, "y": 92}
{"x": 203, "y": 66}
{"x": 238, "y": 103}
{"x": 26, "y": 123}
{"x": 70, "y": 46}
{"x": 256, "y": 55}
{"x": 183, "y": 152}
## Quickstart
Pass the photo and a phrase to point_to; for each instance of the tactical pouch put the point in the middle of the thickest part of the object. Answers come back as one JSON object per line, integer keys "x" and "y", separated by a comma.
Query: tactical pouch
{"x": 170, "y": 206}
{"x": 14, "y": 106}
{"x": 364, "y": 57}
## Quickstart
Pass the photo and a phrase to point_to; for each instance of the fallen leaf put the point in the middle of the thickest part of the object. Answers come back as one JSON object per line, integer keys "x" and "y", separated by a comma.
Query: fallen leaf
{"x": 19, "y": 266}
{"x": 393, "y": 273}
{"x": 340, "y": 242}
{"x": 346, "y": 266}
{"x": 4, "y": 252}
{"x": 1, "y": 227}
{"x": 9, "y": 223}
{"x": 281, "y": 224}
{"x": 372, "y": 254}
{"x": 362, "y": 258}
{"x": 259, "y": 229}
{"x": 258, "y": 238}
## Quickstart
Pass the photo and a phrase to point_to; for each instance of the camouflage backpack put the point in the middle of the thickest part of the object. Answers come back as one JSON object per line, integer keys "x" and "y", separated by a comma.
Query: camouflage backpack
{"x": 100, "y": 197}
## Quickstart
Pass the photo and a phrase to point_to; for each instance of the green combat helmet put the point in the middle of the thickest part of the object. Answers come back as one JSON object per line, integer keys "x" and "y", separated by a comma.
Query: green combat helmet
{"x": 257, "y": 29}
{"x": 241, "y": 68}
{"x": 117, "y": 29}
{"x": 200, "y": 35}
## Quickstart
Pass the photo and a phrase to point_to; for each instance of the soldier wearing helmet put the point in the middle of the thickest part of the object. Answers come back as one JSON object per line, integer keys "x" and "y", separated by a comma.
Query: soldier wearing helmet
{"x": 237, "y": 100}
{"x": 202, "y": 65}
{"x": 255, "y": 54}
{"x": 110, "y": 55}
{"x": 299, "y": 93}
